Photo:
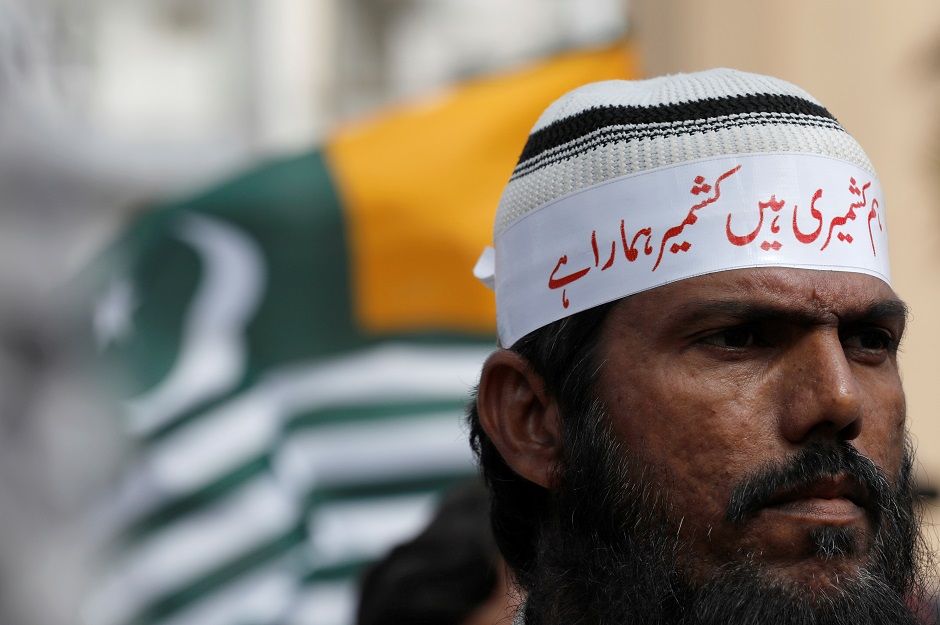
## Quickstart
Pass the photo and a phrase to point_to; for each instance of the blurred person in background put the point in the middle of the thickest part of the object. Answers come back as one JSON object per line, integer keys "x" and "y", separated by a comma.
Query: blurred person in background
{"x": 450, "y": 574}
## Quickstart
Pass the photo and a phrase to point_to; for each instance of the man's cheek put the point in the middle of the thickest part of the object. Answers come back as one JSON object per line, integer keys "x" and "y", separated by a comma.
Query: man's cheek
{"x": 696, "y": 489}
{"x": 884, "y": 433}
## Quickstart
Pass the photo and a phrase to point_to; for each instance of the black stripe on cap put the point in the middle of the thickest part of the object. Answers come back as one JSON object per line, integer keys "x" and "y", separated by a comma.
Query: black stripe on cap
{"x": 631, "y": 132}
{"x": 594, "y": 119}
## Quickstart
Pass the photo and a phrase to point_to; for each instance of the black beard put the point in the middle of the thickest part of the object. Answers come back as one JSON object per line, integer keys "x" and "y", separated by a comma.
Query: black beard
{"x": 608, "y": 553}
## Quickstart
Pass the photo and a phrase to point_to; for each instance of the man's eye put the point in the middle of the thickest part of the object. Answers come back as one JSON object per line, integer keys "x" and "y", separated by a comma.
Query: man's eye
{"x": 736, "y": 337}
{"x": 871, "y": 339}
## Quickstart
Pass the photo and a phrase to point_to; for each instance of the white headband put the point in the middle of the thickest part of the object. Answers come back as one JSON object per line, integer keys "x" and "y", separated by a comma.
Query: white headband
{"x": 593, "y": 246}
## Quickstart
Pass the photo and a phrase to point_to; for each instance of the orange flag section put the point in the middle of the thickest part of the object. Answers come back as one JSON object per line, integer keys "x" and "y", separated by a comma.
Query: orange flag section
{"x": 420, "y": 185}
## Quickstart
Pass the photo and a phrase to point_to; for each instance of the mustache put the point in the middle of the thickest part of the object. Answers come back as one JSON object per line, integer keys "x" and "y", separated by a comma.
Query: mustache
{"x": 815, "y": 462}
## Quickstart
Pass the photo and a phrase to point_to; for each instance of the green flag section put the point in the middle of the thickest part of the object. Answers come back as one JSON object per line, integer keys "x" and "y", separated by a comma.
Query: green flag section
{"x": 291, "y": 352}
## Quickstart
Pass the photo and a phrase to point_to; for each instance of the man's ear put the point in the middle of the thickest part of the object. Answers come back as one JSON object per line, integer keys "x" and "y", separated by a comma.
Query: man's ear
{"x": 519, "y": 415}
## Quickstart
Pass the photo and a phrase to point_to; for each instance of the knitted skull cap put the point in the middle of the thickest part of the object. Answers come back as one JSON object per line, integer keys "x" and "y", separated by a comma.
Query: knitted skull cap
{"x": 625, "y": 179}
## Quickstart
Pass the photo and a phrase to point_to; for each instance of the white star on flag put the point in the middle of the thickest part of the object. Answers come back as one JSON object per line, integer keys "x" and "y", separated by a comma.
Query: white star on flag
{"x": 113, "y": 313}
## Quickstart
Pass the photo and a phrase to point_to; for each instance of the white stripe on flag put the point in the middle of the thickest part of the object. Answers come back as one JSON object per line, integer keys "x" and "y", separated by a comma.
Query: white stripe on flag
{"x": 327, "y": 603}
{"x": 182, "y": 552}
{"x": 262, "y": 597}
{"x": 366, "y": 529}
{"x": 375, "y": 451}
{"x": 246, "y": 426}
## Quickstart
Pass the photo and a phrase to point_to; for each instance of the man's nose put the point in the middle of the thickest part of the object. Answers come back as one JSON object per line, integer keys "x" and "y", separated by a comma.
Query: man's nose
{"x": 822, "y": 391}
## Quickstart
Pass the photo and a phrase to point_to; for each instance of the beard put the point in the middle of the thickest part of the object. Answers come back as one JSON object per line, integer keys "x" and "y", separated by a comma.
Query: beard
{"x": 610, "y": 552}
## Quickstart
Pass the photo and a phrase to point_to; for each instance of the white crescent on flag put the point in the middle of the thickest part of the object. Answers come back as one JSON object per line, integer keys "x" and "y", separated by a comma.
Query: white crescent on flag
{"x": 212, "y": 353}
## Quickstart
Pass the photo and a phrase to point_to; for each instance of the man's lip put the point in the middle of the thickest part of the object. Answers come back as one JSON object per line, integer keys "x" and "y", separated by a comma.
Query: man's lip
{"x": 842, "y": 486}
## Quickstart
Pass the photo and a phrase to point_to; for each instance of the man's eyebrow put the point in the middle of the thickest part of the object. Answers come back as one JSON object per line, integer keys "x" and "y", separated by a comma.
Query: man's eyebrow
{"x": 882, "y": 309}
{"x": 893, "y": 309}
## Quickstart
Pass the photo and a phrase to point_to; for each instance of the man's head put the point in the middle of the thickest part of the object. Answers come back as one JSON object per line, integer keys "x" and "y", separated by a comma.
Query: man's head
{"x": 698, "y": 413}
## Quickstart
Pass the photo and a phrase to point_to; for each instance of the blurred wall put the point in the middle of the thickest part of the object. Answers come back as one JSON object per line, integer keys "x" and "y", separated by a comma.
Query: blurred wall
{"x": 874, "y": 66}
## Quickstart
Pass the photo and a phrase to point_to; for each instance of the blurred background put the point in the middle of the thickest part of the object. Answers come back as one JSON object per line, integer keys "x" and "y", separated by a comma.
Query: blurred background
{"x": 147, "y": 145}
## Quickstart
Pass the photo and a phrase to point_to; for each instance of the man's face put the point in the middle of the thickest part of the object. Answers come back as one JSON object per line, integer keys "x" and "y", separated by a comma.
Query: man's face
{"x": 710, "y": 381}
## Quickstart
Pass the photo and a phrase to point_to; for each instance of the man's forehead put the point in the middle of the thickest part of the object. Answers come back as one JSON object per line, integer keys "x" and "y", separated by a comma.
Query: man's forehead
{"x": 750, "y": 291}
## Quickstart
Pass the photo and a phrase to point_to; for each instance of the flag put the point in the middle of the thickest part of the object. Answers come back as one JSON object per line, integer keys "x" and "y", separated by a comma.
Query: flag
{"x": 292, "y": 351}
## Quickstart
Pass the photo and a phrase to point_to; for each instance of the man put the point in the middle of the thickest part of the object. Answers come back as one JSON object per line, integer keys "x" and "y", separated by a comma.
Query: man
{"x": 696, "y": 414}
